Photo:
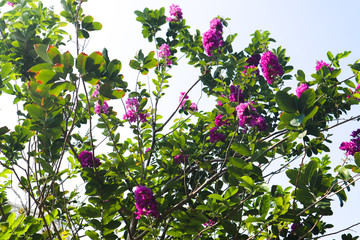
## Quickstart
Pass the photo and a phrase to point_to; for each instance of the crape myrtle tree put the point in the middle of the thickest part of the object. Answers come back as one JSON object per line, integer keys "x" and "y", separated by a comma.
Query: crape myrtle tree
{"x": 192, "y": 175}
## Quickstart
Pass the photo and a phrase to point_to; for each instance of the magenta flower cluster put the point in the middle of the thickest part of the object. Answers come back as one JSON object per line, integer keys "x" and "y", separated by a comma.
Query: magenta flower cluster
{"x": 212, "y": 39}
{"x": 176, "y": 13}
{"x": 248, "y": 116}
{"x": 165, "y": 53}
{"x": 132, "y": 111}
{"x": 301, "y": 88}
{"x": 270, "y": 67}
{"x": 86, "y": 160}
{"x": 220, "y": 122}
{"x": 145, "y": 202}
{"x": 320, "y": 64}
{"x": 181, "y": 158}
{"x": 236, "y": 94}
{"x": 182, "y": 99}
{"x": 253, "y": 62}
{"x": 353, "y": 146}
{"x": 215, "y": 136}
{"x": 11, "y": 4}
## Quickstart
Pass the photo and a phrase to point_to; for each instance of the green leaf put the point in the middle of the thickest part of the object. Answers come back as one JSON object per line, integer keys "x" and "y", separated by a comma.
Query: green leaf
{"x": 89, "y": 212}
{"x": 95, "y": 61}
{"x": 114, "y": 68}
{"x": 40, "y": 67}
{"x": 58, "y": 87}
{"x": 44, "y": 76}
{"x": 357, "y": 158}
{"x": 305, "y": 196}
{"x": 310, "y": 170}
{"x": 285, "y": 102}
{"x": 241, "y": 149}
{"x": 41, "y": 50}
{"x": 35, "y": 111}
{"x": 216, "y": 196}
{"x": 229, "y": 227}
{"x": 134, "y": 64}
{"x": 231, "y": 191}
{"x": 106, "y": 91}
{"x": 80, "y": 62}
{"x": 307, "y": 100}
{"x": 296, "y": 122}
{"x": 330, "y": 56}
{"x": 68, "y": 62}
{"x": 203, "y": 208}
{"x": 356, "y": 66}
{"x": 54, "y": 54}
{"x": 264, "y": 205}
{"x": 311, "y": 114}
{"x": 46, "y": 166}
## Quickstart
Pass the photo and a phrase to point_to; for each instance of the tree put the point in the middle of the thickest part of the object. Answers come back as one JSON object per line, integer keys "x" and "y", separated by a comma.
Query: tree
{"x": 198, "y": 176}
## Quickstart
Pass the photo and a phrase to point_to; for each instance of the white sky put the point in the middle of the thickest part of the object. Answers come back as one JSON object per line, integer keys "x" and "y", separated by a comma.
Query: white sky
{"x": 307, "y": 29}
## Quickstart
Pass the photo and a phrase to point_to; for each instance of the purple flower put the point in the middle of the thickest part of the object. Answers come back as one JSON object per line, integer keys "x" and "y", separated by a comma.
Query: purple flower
{"x": 11, "y": 4}
{"x": 212, "y": 39}
{"x": 209, "y": 223}
{"x": 236, "y": 94}
{"x": 96, "y": 91}
{"x": 254, "y": 60}
{"x": 165, "y": 53}
{"x": 353, "y": 146}
{"x": 176, "y": 12}
{"x": 320, "y": 64}
{"x": 86, "y": 160}
{"x": 145, "y": 202}
{"x": 300, "y": 89}
{"x": 132, "y": 111}
{"x": 181, "y": 158}
{"x": 248, "y": 116}
{"x": 216, "y": 136}
{"x": 270, "y": 67}
{"x": 193, "y": 107}
{"x": 101, "y": 108}
{"x": 182, "y": 99}
{"x": 219, "y": 122}
{"x": 147, "y": 150}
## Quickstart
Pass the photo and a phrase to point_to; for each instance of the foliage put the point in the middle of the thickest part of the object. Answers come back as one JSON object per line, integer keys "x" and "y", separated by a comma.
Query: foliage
{"x": 203, "y": 188}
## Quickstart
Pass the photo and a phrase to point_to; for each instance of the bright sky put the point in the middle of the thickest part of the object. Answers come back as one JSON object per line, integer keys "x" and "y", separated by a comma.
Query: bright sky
{"x": 307, "y": 29}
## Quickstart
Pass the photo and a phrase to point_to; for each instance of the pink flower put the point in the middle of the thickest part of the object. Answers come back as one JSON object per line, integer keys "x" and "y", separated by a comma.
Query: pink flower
{"x": 236, "y": 94}
{"x": 181, "y": 158}
{"x": 133, "y": 112}
{"x": 220, "y": 122}
{"x": 216, "y": 136}
{"x": 145, "y": 202}
{"x": 104, "y": 108}
{"x": 165, "y": 53}
{"x": 270, "y": 67}
{"x": 248, "y": 116}
{"x": 212, "y": 39}
{"x": 300, "y": 89}
{"x": 216, "y": 24}
{"x": 320, "y": 64}
{"x": 353, "y": 146}
{"x": 176, "y": 12}
{"x": 209, "y": 223}
{"x": 11, "y": 4}
{"x": 96, "y": 91}
{"x": 86, "y": 160}
{"x": 182, "y": 99}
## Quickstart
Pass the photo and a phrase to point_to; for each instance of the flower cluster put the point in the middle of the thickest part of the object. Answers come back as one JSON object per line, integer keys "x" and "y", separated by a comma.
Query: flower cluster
{"x": 248, "y": 116}
{"x": 165, "y": 53}
{"x": 145, "y": 202}
{"x": 101, "y": 108}
{"x": 11, "y": 4}
{"x": 212, "y": 39}
{"x": 86, "y": 160}
{"x": 182, "y": 100}
{"x": 132, "y": 111}
{"x": 270, "y": 66}
{"x": 300, "y": 89}
{"x": 176, "y": 13}
{"x": 353, "y": 146}
{"x": 253, "y": 62}
{"x": 216, "y": 136}
{"x": 181, "y": 158}
{"x": 220, "y": 122}
{"x": 320, "y": 64}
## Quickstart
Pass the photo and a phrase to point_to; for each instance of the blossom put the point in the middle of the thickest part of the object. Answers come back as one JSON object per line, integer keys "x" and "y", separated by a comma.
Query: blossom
{"x": 182, "y": 99}
{"x": 248, "y": 116}
{"x": 96, "y": 91}
{"x": 353, "y": 146}
{"x": 132, "y": 111}
{"x": 216, "y": 136}
{"x": 86, "y": 159}
{"x": 321, "y": 63}
{"x": 145, "y": 202}
{"x": 270, "y": 66}
{"x": 212, "y": 39}
{"x": 181, "y": 158}
{"x": 165, "y": 53}
{"x": 209, "y": 223}
{"x": 253, "y": 60}
{"x": 193, "y": 107}
{"x": 300, "y": 89}
{"x": 11, "y": 4}
{"x": 236, "y": 94}
{"x": 176, "y": 12}
{"x": 101, "y": 108}
{"x": 220, "y": 122}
